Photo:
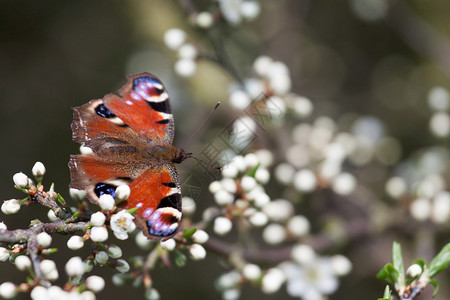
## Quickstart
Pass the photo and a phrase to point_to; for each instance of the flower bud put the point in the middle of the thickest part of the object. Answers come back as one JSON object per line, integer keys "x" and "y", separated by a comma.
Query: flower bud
{"x": 98, "y": 218}
{"x": 48, "y": 269}
{"x": 95, "y": 283}
{"x": 414, "y": 270}
{"x": 10, "y": 207}
{"x": 51, "y": 216}
{"x": 3, "y": 226}
{"x": 4, "y": 254}
{"x": 99, "y": 234}
{"x": 22, "y": 262}
{"x": 122, "y": 266}
{"x": 75, "y": 242}
{"x": 44, "y": 239}
{"x": 272, "y": 280}
{"x": 197, "y": 252}
{"x": 222, "y": 225}
{"x": 38, "y": 170}
{"x": 114, "y": 251}
{"x": 8, "y": 290}
{"x": 106, "y": 202}
{"x": 74, "y": 267}
{"x": 21, "y": 180}
{"x": 251, "y": 271}
{"x": 200, "y": 236}
{"x": 168, "y": 245}
{"x": 122, "y": 193}
{"x": 101, "y": 257}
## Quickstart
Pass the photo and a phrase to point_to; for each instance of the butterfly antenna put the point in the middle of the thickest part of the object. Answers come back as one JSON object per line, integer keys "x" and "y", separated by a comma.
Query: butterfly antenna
{"x": 206, "y": 164}
{"x": 201, "y": 126}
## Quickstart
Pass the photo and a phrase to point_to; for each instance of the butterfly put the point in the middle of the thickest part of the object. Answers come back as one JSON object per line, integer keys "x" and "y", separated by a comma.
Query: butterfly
{"x": 130, "y": 134}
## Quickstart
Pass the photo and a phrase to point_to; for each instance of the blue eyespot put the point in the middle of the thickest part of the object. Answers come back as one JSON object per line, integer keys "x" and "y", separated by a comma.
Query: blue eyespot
{"x": 103, "y": 188}
{"x": 104, "y": 112}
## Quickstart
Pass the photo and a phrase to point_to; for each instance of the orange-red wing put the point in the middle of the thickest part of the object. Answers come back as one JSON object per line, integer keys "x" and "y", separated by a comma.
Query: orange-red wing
{"x": 144, "y": 106}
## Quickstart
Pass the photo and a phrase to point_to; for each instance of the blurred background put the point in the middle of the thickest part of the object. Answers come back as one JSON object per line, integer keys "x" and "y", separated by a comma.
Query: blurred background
{"x": 350, "y": 57}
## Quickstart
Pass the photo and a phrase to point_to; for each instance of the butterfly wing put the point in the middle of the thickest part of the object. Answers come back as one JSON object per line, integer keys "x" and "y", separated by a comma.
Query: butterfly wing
{"x": 120, "y": 130}
{"x": 144, "y": 106}
{"x": 155, "y": 189}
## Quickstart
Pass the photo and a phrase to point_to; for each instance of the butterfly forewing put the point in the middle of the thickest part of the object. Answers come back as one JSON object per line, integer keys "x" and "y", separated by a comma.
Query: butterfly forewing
{"x": 122, "y": 130}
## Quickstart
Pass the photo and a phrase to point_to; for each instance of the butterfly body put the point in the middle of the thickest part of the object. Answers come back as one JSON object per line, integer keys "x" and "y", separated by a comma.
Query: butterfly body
{"x": 130, "y": 135}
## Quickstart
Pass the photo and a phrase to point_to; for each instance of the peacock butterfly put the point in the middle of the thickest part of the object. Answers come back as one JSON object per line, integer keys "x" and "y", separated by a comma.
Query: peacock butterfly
{"x": 130, "y": 134}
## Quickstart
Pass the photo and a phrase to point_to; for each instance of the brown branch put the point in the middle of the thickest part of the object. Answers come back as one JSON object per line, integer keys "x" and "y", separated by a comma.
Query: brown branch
{"x": 23, "y": 235}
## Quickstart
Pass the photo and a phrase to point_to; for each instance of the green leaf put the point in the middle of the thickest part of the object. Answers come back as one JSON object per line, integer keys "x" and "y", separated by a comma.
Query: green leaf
{"x": 421, "y": 262}
{"x": 61, "y": 199}
{"x": 440, "y": 261}
{"x": 132, "y": 210}
{"x": 397, "y": 262}
{"x": 388, "y": 273}
{"x": 188, "y": 232}
{"x": 435, "y": 284}
{"x": 180, "y": 258}
{"x": 386, "y": 294}
{"x": 252, "y": 171}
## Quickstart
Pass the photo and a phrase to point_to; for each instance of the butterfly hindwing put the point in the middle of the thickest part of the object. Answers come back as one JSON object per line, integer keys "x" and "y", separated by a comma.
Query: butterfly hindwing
{"x": 155, "y": 190}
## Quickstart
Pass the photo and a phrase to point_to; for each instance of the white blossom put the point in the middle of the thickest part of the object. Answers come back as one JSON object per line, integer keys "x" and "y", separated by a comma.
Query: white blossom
{"x": 414, "y": 270}
{"x": 74, "y": 267}
{"x": 258, "y": 219}
{"x": 303, "y": 254}
{"x": 279, "y": 210}
{"x": 122, "y": 193}
{"x": 101, "y": 257}
{"x": 229, "y": 185}
{"x": 341, "y": 265}
{"x": 262, "y": 175}
{"x": 38, "y": 170}
{"x": 204, "y": 19}
{"x": 4, "y": 254}
{"x": 215, "y": 186}
{"x": 284, "y": 173}
{"x": 298, "y": 226}
{"x": 185, "y": 67}
{"x": 99, "y": 234}
{"x": 95, "y": 283}
{"x": 48, "y": 269}
{"x": 440, "y": 124}
{"x": 223, "y": 198}
{"x": 98, "y": 218}
{"x": 21, "y": 180}
{"x": 142, "y": 241}
{"x": 22, "y": 262}
{"x": 122, "y": 224}
{"x": 248, "y": 183}
{"x": 344, "y": 184}
{"x": 272, "y": 280}
{"x": 439, "y": 99}
{"x": 188, "y": 205}
{"x": 51, "y": 216}
{"x": 3, "y": 226}
{"x": 187, "y": 51}
{"x": 44, "y": 239}
{"x": 114, "y": 251}
{"x": 200, "y": 236}
{"x": 8, "y": 290}
{"x": 420, "y": 209}
{"x": 305, "y": 181}
{"x": 168, "y": 244}
{"x": 396, "y": 187}
{"x": 440, "y": 212}
{"x": 239, "y": 99}
{"x": 174, "y": 38}
{"x": 122, "y": 266}
{"x": 106, "y": 202}
{"x": 10, "y": 207}
{"x": 222, "y": 225}
{"x": 197, "y": 252}
{"x": 274, "y": 233}
{"x": 250, "y": 9}
{"x": 251, "y": 271}
{"x": 75, "y": 242}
